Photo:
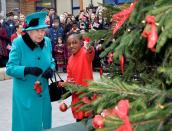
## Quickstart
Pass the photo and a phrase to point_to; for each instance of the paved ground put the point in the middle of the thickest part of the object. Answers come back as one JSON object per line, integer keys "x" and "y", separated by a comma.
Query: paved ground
{"x": 59, "y": 118}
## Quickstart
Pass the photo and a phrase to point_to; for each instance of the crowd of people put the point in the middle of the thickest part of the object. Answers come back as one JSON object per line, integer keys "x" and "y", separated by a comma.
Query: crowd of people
{"x": 58, "y": 30}
{"x": 32, "y": 48}
{"x": 35, "y": 54}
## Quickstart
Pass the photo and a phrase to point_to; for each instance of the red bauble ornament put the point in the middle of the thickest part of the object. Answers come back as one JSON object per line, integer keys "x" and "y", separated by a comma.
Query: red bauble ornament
{"x": 98, "y": 121}
{"x": 110, "y": 58}
{"x": 63, "y": 107}
{"x": 106, "y": 112}
{"x": 86, "y": 100}
{"x": 94, "y": 97}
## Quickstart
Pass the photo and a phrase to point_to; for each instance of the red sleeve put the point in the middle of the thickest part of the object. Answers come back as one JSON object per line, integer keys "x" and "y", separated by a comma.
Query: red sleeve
{"x": 90, "y": 55}
{"x": 69, "y": 73}
{"x": 13, "y": 36}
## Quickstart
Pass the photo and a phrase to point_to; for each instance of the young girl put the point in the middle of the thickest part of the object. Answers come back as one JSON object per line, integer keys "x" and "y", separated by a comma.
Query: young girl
{"x": 60, "y": 54}
{"x": 79, "y": 69}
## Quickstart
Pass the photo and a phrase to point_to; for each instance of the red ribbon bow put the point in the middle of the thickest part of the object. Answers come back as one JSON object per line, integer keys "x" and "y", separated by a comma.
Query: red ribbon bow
{"x": 121, "y": 110}
{"x": 122, "y": 16}
{"x": 151, "y": 35}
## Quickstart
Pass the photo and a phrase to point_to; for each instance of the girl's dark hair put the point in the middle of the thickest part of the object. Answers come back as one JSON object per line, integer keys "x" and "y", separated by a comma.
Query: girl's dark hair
{"x": 69, "y": 19}
{"x": 60, "y": 38}
{"x": 77, "y": 35}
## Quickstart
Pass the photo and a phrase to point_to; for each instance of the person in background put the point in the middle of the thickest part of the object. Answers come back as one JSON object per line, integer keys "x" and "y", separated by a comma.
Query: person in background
{"x": 16, "y": 19}
{"x": 3, "y": 43}
{"x": 19, "y": 28}
{"x": 52, "y": 15}
{"x": 68, "y": 26}
{"x": 31, "y": 65}
{"x": 74, "y": 29}
{"x": 95, "y": 25}
{"x": 62, "y": 19}
{"x": 9, "y": 25}
{"x": 79, "y": 69}
{"x": 22, "y": 20}
{"x": 55, "y": 31}
{"x": 60, "y": 55}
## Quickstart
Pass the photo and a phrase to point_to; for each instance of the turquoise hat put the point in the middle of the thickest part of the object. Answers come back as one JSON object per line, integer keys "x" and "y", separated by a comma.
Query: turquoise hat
{"x": 36, "y": 21}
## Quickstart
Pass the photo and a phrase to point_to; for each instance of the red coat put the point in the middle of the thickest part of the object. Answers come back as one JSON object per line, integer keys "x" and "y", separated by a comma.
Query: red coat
{"x": 3, "y": 42}
{"x": 79, "y": 69}
{"x": 14, "y": 35}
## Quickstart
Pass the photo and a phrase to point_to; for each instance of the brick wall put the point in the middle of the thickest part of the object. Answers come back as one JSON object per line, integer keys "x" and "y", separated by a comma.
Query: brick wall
{"x": 25, "y": 7}
{"x": 11, "y": 4}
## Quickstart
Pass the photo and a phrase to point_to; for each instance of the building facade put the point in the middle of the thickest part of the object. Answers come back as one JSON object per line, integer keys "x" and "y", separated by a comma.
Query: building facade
{"x": 2, "y": 7}
{"x": 71, "y": 6}
{"x": 28, "y": 6}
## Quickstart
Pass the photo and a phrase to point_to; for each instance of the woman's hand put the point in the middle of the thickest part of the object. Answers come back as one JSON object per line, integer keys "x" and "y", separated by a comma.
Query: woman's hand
{"x": 36, "y": 71}
{"x": 48, "y": 73}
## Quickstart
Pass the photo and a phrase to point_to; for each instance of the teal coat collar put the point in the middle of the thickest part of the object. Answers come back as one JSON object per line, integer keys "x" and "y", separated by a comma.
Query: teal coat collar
{"x": 28, "y": 41}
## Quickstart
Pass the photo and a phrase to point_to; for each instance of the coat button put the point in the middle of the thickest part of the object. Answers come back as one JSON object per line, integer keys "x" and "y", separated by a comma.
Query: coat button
{"x": 38, "y": 58}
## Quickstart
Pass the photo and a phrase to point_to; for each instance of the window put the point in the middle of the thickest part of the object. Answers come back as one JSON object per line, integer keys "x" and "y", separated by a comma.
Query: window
{"x": 0, "y": 6}
{"x": 75, "y": 7}
{"x": 45, "y": 4}
{"x": 116, "y": 1}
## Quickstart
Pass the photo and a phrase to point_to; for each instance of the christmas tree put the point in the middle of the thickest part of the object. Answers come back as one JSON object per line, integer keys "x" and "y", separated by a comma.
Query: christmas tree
{"x": 136, "y": 91}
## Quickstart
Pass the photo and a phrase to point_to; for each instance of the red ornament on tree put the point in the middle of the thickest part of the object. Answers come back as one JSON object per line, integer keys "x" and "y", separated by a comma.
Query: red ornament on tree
{"x": 94, "y": 97}
{"x": 106, "y": 112}
{"x": 98, "y": 121}
{"x": 110, "y": 58}
{"x": 63, "y": 107}
{"x": 86, "y": 100}
{"x": 122, "y": 64}
{"x": 121, "y": 110}
{"x": 122, "y": 16}
{"x": 124, "y": 127}
{"x": 151, "y": 33}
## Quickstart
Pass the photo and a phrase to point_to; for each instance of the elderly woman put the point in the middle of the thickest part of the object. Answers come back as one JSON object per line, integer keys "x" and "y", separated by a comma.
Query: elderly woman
{"x": 31, "y": 64}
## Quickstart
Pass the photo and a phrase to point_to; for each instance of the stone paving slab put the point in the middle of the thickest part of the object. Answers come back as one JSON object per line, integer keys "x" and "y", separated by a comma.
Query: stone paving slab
{"x": 77, "y": 126}
{"x": 58, "y": 118}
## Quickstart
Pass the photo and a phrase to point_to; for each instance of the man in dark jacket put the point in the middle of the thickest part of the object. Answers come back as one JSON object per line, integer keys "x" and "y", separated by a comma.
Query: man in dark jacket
{"x": 9, "y": 25}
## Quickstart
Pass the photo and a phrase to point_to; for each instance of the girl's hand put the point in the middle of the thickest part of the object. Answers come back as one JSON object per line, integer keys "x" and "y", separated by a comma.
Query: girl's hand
{"x": 71, "y": 81}
{"x": 68, "y": 81}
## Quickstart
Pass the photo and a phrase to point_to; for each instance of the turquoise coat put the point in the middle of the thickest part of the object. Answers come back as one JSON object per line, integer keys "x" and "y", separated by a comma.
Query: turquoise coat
{"x": 30, "y": 111}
